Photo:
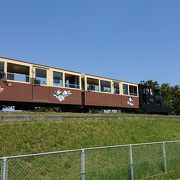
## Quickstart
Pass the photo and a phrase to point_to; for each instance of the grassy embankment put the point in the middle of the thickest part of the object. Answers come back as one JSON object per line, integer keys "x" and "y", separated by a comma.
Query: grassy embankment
{"x": 23, "y": 137}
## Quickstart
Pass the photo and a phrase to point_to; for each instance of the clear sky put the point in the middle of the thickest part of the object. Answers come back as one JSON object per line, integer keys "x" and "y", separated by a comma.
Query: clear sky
{"x": 131, "y": 40}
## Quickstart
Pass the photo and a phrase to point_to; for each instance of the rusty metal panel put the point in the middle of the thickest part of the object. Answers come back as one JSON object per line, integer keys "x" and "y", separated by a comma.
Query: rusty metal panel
{"x": 65, "y": 96}
{"x": 110, "y": 100}
{"x": 40, "y": 93}
{"x": 21, "y": 92}
{"x": 130, "y": 102}
{"x": 13, "y": 91}
{"x": 102, "y": 99}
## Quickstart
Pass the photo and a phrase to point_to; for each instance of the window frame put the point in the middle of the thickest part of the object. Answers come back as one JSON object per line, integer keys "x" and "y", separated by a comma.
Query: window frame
{"x": 86, "y": 83}
{"x": 63, "y": 76}
{"x": 18, "y": 64}
{"x": 47, "y": 78}
{"x": 74, "y": 74}
{"x": 109, "y": 92}
{"x": 129, "y": 84}
{"x": 136, "y": 90}
{"x": 119, "y": 85}
{"x": 123, "y": 89}
{"x": 4, "y": 78}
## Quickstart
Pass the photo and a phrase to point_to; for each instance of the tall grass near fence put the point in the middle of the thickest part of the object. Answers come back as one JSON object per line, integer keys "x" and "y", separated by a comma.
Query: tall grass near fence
{"x": 24, "y": 137}
{"x": 135, "y": 161}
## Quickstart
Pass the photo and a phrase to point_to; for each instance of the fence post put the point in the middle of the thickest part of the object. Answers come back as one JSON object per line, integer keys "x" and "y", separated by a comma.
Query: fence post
{"x": 164, "y": 158}
{"x": 4, "y": 168}
{"x": 131, "y": 162}
{"x": 83, "y": 171}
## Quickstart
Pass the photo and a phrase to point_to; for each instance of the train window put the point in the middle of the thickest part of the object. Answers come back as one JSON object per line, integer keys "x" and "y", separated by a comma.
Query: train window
{"x": 105, "y": 86}
{"x": 116, "y": 88}
{"x": 125, "y": 89}
{"x": 133, "y": 90}
{"x": 92, "y": 84}
{"x": 17, "y": 72}
{"x": 57, "y": 78}
{"x": 41, "y": 77}
{"x": 2, "y": 73}
{"x": 72, "y": 81}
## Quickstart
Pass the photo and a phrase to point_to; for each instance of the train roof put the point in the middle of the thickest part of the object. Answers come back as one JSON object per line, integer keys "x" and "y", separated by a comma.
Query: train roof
{"x": 95, "y": 76}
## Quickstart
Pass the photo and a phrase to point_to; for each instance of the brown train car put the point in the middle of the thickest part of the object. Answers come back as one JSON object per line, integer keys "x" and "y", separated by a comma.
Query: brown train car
{"x": 36, "y": 85}
{"x": 108, "y": 93}
{"x": 25, "y": 85}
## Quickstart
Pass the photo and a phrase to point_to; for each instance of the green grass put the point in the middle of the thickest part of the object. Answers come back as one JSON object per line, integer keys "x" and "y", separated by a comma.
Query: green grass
{"x": 52, "y": 113}
{"x": 24, "y": 137}
{"x": 172, "y": 175}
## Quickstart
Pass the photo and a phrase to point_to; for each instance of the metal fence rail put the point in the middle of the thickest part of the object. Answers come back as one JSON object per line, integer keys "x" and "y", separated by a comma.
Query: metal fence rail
{"x": 134, "y": 161}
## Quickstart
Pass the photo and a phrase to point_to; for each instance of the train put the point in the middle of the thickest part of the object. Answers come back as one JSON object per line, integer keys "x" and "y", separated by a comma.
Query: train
{"x": 27, "y": 85}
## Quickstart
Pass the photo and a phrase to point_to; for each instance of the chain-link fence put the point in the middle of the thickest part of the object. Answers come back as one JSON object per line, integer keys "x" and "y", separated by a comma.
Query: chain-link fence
{"x": 136, "y": 161}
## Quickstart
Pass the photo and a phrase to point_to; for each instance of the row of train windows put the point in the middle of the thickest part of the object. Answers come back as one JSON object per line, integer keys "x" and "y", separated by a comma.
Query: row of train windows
{"x": 71, "y": 81}
{"x": 105, "y": 86}
{"x": 21, "y": 73}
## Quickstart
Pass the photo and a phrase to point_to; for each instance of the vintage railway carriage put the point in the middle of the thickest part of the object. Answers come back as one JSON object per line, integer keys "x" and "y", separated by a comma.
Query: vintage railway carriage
{"x": 27, "y": 85}
{"x": 108, "y": 93}
{"x": 30, "y": 84}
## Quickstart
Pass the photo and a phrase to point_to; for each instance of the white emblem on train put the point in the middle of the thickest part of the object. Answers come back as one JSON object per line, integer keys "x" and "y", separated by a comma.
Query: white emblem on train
{"x": 61, "y": 95}
{"x": 1, "y": 89}
{"x": 130, "y": 101}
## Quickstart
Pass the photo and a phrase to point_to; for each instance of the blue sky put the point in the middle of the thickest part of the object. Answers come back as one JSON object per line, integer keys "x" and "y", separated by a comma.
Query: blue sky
{"x": 128, "y": 40}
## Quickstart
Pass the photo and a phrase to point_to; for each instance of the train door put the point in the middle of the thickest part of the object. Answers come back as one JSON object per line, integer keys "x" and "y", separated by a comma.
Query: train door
{"x": 40, "y": 84}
